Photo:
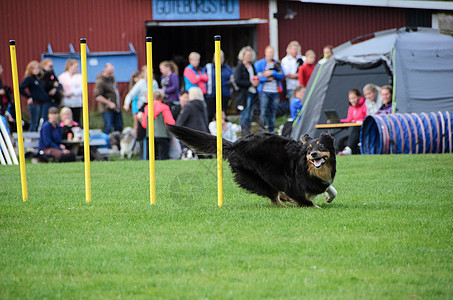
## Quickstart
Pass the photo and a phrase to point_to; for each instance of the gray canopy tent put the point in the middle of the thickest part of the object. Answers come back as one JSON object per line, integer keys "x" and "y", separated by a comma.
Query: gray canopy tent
{"x": 418, "y": 63}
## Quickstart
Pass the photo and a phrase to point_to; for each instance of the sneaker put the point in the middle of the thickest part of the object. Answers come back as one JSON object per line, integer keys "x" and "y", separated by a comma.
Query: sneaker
{"x": 346, "y": 151}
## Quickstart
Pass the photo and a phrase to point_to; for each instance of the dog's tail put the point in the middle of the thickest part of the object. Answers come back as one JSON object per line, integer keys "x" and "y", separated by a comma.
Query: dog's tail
{"x": 202, "y": 142}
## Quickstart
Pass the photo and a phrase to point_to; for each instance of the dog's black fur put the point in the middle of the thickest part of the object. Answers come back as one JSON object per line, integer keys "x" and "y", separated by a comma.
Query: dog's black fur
{"x": 271, "y": 165}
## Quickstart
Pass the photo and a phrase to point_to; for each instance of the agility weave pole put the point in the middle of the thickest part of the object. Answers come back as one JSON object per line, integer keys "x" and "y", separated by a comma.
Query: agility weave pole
{"x": 218, "y": 86}
{"x": 8, "y": 151}
{"x": 20, "y": 134}
{"x": 152, "y": 169}
{"x": 86, "y": 126}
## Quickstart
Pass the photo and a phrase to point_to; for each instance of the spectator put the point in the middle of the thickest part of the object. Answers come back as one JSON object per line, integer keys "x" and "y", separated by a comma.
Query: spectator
{"x": 108, "y": 99}
{"x": 136, "y": 76}
{"x": 327, "y": 51}
{"x": 50, "y": 139}
{"x": 193, "y": 75}
{"x": 226, "y": 74}
{"x": 194, "y": 114}
{"x": 373, "y": 98}
{"x": 162, "y": 117}
{"x": 6, "y": 97}
{"x": 71, "y": 80}
{"x": 290, "y": 65}
{"x": 229, "y": 130}
{"x": 36, "y": 95}
{"x": 183, "y": 98}
{"x": 296, "y": 102}
{"x": 169, "y": 81}
{"x": 140, "y": 90}
{"x": 386, "y": 94}
{"x": 67, "y": 124}
{"x": 307, "y": 68}
{"x": 270, "y": 74}
{"x": 247, "y": 81}
{"x": 356, "y": 114}
{"x": 51, "y": 86}
{"x": 177, "y": 105}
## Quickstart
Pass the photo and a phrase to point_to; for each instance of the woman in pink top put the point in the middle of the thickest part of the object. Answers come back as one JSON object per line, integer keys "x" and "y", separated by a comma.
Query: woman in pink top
{"x": 193, "y": 75}
{"x": 356, "y": 114}
{"x": 357, "y": 108}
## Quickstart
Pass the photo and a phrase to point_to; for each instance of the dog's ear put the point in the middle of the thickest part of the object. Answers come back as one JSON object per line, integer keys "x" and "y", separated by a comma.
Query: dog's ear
{"x": 327, "y": 138}
{"x": 305, "y": 138}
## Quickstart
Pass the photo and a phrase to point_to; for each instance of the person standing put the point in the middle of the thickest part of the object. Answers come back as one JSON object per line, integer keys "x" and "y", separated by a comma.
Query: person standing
{"x": 162, "y": 117}
{"x": 71, "y": 80}
{"x": 52, "y": 87}
{"x": 270, "y": 75}
{"x": 193, "y": 75}
{"x": 169, "y": 81}
{"x": 290, "y": 65}
{"x": 138, "y": 95}
{"x": 226, "y": 73}
{"x": 307, "y": 68}
{"x": 36, "y": 95}
{"x": 247, "y": 81}
{"x": 108, "y": 99}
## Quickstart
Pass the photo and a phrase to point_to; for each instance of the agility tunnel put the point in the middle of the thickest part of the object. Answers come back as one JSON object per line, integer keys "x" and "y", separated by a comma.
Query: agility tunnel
{"x": 407, "y": 133}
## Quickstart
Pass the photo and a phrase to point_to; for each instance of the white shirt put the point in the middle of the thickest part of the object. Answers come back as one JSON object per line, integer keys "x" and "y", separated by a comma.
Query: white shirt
{"x": 72, "y": 89}
{"x": 229, "y": 134}
{"x": 289, "y": 66}
{"x": 372, "y": 107}
{"x": 140, "y": 88}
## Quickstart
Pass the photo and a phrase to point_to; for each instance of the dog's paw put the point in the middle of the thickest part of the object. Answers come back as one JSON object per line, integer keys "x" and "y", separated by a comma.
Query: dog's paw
{"x": 329, "y": 198}
{"x": 331, "y": 193}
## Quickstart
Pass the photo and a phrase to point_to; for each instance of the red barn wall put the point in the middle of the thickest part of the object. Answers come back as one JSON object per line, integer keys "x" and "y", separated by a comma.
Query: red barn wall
{"x": 108, "y": 25}
{"x": 317, "y": 25}
{"x": 257, "y": 9}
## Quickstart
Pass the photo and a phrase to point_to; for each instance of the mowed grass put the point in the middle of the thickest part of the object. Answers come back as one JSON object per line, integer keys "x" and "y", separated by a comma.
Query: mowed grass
{"x": 388, "y": 235}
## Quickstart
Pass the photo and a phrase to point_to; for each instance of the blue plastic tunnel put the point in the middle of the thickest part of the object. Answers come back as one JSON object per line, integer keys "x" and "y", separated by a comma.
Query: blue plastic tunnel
{"x": 407, "y": 133}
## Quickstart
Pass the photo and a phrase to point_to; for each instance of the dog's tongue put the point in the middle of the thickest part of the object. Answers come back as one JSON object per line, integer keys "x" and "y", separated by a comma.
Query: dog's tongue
{"x": 318, "y": 162}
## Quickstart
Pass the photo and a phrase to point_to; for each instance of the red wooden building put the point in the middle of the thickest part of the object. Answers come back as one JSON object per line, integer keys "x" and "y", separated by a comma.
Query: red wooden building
{"x": 110, "y": 25}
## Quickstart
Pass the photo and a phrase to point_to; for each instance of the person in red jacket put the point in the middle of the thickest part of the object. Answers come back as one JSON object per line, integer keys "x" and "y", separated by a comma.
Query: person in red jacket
{"x": 356, "y": 114}
{"x": 162, "y": 117}
{"x": 307, "y": 68}
{"x": 357, "y": 110}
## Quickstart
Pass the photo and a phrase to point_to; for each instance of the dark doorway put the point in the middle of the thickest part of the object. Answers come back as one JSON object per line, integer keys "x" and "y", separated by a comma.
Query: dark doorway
{"x": 176, "y": 42}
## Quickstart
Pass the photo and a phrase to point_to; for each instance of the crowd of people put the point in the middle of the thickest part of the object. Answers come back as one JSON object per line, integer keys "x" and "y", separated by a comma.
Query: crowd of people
{"x": 258, "y": 86}
{"x": 376, "y": 100}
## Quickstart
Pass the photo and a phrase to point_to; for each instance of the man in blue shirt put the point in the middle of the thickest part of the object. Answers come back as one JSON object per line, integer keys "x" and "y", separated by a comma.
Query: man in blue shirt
{"x": 270, "y": 75}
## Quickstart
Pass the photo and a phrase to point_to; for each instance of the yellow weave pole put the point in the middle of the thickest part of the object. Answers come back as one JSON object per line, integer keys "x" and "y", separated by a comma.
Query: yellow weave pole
{"x": 218, "y": 93}
{"x": 152, "y": 170}
{"x": 20, "y": 134}
{"x": 86, "y": 125}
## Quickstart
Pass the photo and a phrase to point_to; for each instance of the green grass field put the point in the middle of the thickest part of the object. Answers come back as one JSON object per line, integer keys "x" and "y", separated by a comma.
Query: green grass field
{"x": 388, "y": 235}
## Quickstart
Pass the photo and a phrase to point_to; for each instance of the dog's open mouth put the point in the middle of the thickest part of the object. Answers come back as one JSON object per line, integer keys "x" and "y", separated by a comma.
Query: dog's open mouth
{"x": 318, "y": 162}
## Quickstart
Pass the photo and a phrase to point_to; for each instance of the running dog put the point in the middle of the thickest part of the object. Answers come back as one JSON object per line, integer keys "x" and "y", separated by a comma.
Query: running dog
{"x": 273, "y": 166}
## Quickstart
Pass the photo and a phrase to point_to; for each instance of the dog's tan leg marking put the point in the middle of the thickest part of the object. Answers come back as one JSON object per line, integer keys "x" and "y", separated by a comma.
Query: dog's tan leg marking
{"x": 286, "y": 198}
{"x": 331, "y": 193}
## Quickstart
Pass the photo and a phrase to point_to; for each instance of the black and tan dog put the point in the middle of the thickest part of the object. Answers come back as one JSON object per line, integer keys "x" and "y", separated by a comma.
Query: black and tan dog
{"x": 273, "y": 166}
